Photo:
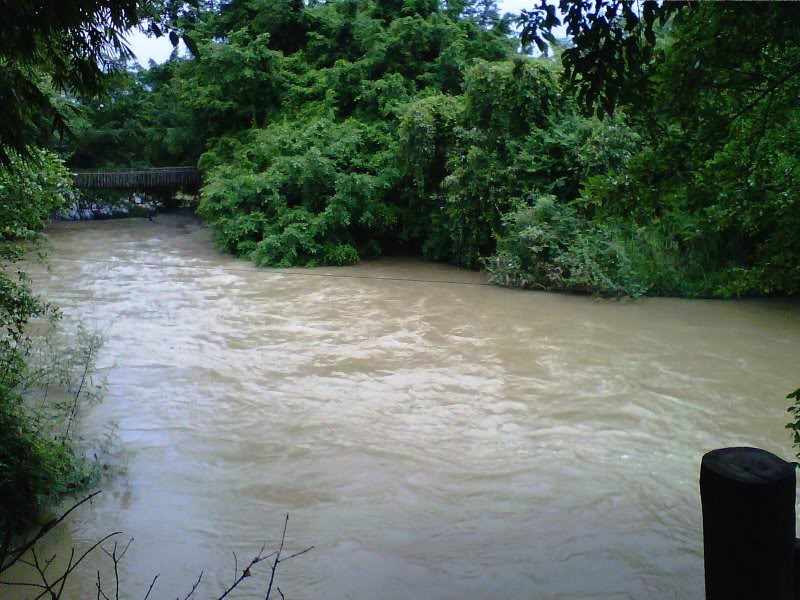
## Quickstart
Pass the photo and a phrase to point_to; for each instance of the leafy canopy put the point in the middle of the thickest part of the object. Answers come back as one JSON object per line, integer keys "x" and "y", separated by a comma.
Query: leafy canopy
{"x": 330, "y": 132}
{"x": 49, "y": 47}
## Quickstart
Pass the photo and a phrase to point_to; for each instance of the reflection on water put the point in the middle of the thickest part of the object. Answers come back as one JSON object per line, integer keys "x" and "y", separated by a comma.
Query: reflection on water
{"x": 432, "y": 436}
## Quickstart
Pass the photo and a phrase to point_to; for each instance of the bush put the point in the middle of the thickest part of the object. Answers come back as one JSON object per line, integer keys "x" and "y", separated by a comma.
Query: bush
{"x": 549, "y": 246}
{"x": 302, "y": 195}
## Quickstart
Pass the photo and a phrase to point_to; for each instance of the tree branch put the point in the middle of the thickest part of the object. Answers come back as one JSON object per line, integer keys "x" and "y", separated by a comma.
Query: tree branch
{"x": 19, "y": 552}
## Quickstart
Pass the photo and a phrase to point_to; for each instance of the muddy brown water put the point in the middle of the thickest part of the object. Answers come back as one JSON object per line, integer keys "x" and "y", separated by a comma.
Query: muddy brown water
{"x": 431, "y": 436}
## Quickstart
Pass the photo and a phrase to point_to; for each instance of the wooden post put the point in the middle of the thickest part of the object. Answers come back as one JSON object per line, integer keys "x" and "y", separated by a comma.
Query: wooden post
{"x": 748, "y": 498}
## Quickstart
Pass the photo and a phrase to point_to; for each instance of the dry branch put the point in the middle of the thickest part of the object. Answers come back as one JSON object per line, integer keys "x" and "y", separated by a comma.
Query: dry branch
{"x": 54, "y": 588}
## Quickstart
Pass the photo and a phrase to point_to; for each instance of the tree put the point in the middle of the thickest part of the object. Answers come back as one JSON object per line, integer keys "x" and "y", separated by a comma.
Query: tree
{"x": 51, "y": 46}
{"x": 615, "y": 42}
{"x": 713, "y": 88}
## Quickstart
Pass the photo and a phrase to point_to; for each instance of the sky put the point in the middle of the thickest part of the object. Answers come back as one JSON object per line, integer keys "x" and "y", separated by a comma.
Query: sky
{"x": 159, "y": 49}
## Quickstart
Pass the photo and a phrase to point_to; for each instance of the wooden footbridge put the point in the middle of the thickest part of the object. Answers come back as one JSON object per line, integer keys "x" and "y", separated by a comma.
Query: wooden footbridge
{"x": 162, "y": 178}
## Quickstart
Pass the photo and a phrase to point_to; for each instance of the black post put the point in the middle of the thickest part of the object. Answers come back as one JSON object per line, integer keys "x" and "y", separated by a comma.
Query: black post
{"x": 748, "y": 498}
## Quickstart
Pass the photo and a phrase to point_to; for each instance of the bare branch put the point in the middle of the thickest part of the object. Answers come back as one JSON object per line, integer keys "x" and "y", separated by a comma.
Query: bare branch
{"x": 54, "y": 590}
{"x": 73, "y": 566}
{"x": 278, "y": 558}
{"x": 309, "y": 549}
{"x": 150, "y": 589}
{"x": 100, "y": 591}
{"x": 24, "y": 584}
{"x": 40, "y": 570}
{"x": 64, "y": 579}
{"x": 246, "y": 571}
{"x": 235, "y": 566}
{"x": 194, "y": 587}
{"x": 86, "y": 366}
{"x": 116, "y": 559}
{"x": 7, "y": 534}
{"x": 17, "y": 553}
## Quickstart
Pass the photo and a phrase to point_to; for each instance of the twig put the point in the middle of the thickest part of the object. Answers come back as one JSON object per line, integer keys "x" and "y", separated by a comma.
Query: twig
{"x": 88, "y": 362}
{"x": 64, "y": 577}
{"x": 100, "y": 591}
{"x": 7, "y": 534}
{"x": 23, "y": 584}
{"x": 72, "y": 566}
{"x": 309, "y": 549}
{"x": 150, "y": 589}
{"x": 194, "y": 587}
{"x": 55, "y": 589}
{"x": 17, "y": 553}
{"x": 246, "y": 571}
{"x": 113, "y": 556}
{"x": 278, "y": 557}
{"x": 39, "y": 569}
{"x": 261, "y": 557}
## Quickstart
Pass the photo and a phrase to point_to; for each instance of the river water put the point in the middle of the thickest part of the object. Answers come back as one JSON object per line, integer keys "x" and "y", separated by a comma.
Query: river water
{"x": 431, "y": 436}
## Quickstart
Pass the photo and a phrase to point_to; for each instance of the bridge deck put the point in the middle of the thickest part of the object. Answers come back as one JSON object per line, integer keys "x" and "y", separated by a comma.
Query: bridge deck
{"x": 140, "y": 179}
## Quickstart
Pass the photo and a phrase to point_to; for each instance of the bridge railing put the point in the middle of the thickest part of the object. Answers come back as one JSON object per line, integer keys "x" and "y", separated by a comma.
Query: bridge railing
{"x": 140, "y": 179}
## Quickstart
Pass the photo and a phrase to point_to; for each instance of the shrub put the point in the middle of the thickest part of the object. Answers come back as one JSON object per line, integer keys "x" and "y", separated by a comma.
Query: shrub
{"x": 549, "y": 246}
{"x": 302, "y": 195}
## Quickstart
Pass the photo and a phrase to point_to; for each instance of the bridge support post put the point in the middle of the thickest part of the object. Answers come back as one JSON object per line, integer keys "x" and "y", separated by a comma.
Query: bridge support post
{"x": 748, "y": 498}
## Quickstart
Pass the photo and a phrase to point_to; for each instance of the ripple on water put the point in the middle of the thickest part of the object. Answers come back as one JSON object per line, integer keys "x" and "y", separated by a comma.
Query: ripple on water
{"x": 431, "y": 439}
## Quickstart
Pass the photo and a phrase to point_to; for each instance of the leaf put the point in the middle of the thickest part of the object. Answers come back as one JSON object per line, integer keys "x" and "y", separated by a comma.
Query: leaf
{"x": 191, "y": 45}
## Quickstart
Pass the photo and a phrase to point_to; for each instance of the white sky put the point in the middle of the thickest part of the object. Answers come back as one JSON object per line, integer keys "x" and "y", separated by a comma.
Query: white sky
{"x": 159, "y": 49}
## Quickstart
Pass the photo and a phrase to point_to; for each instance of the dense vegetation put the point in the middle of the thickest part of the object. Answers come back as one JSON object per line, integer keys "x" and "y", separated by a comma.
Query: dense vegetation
{"x": 336, "y": 131}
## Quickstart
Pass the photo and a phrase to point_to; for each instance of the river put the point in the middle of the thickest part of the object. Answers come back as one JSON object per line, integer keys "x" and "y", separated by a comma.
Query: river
{"x": 431, "y": 436}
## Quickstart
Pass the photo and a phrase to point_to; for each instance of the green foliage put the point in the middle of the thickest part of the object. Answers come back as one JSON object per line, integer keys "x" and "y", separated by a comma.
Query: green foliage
{"x": 42, "y": 458}
{"x": 612, "y": 41}
{"x": 309, "y": 195}
{"x": 414, "y": 132}
{"x": 49, "y": 49}
{"x": 712, "y": 91}
{"x": 486, "y": 173}
{"x": 549, "y": 246}
{"x": 361, "y": 126}
{"x": 29, "y": 193}
{"x": 340, "y": 130}
{"x": 553, "y": 245}
{"x": 39, "y": 461}
{"x": 50, "y": 46}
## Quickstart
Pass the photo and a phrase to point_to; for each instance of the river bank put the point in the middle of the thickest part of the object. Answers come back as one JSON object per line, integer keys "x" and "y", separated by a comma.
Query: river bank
{"x": 95, "y": 208}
